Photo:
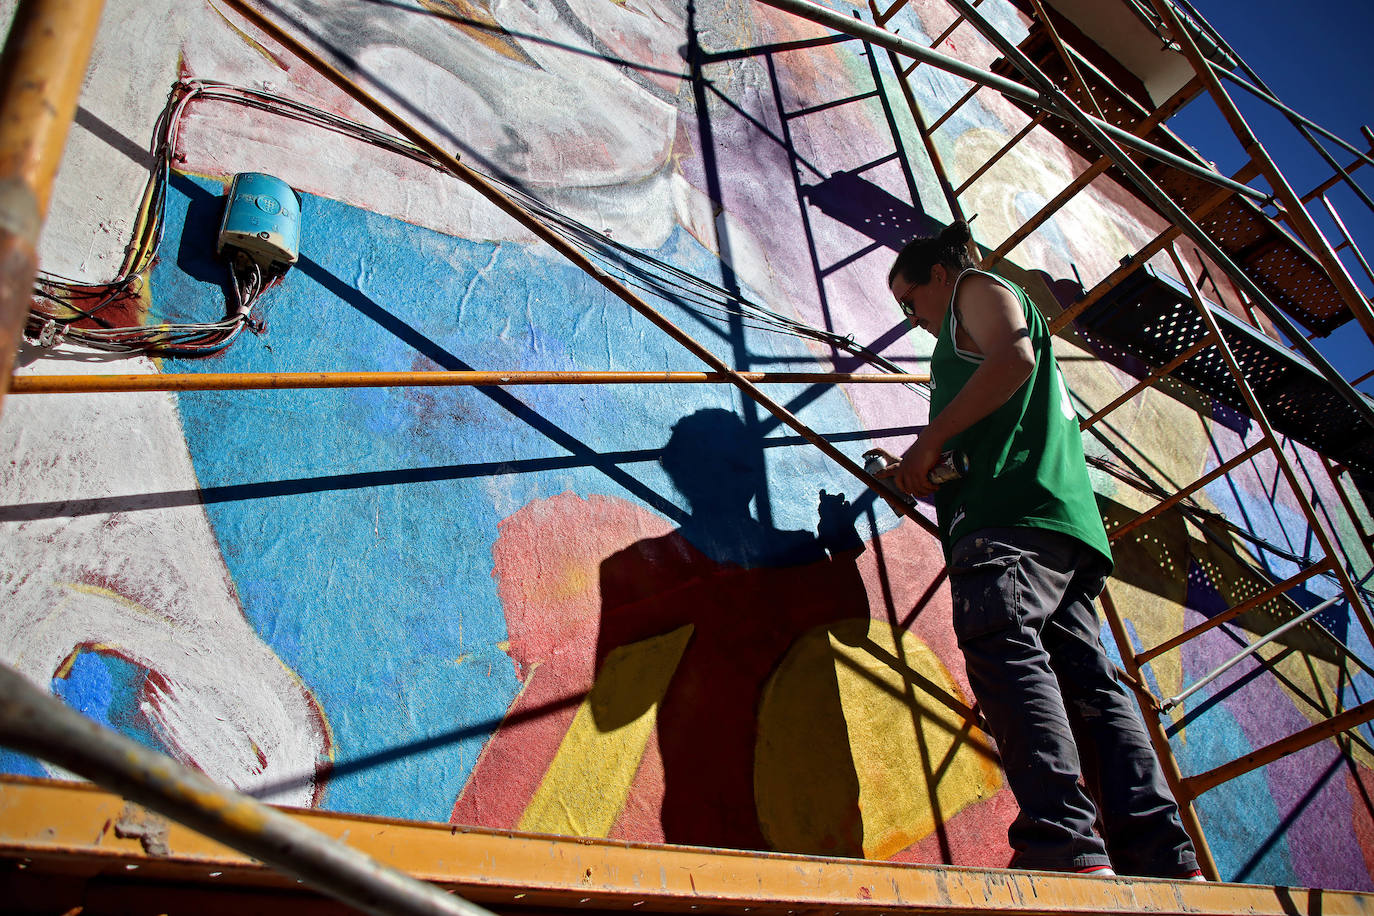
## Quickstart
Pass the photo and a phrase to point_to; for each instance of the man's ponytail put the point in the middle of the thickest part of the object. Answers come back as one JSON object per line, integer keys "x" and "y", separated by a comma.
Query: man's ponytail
{"x": 949, "y": 248}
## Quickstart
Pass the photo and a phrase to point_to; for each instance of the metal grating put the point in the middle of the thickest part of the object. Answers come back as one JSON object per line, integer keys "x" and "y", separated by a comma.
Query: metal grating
{"x": 1279, "y": 264}
{"x": 1151, "y": 319}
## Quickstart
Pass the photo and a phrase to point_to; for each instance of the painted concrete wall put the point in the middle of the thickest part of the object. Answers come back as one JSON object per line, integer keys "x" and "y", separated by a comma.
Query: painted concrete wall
{"x": 648, "y": 613}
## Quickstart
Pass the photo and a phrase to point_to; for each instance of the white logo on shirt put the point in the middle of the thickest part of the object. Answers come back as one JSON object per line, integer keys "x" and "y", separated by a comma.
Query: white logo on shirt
{"x": 1065, "y": 405}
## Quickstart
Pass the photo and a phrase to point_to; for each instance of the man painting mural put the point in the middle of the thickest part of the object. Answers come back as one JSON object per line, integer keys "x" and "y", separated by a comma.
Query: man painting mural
{"x": 1027, "y": 555}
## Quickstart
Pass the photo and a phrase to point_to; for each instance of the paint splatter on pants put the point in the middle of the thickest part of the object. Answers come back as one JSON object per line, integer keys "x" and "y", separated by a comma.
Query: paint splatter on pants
{"x": 1025, "y": 621}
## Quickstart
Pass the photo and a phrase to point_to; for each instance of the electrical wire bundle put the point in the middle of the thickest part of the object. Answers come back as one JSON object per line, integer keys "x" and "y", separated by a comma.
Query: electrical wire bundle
{"x": 178, "y": 339}
{"x": 61, "y": 302}
{"x": 66, "y": 309}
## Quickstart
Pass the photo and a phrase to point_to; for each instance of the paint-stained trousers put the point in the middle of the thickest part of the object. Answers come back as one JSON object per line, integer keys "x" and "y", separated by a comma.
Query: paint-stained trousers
{"x": 1025, "y": 621}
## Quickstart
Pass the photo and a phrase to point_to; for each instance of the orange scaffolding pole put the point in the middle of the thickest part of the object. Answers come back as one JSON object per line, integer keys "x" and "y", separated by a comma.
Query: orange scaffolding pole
{"x": 1166, "y": 504}
{"x": 1148, "y": 381}
{"x": 1333, "y": 474}
{"x": 67, "y": 825}
{"x": 244, "y": 381}
{"x": 1257, "y": 411}
{"x": 1158, "y": 116}
{"x": 1152, "y": 248}
{"x": 959, "y": 103}
{"x": 1336, "y": 179}
{"x": 1168, "y": 764}
{"x": 1270, "y": 593}
{"x": 44, "y": 63}
{"x": 1069, "y": 64}
{"x": 1300, "y": 218}
{"x": 996, "y": 157}
{"x": 1351, "y": 718}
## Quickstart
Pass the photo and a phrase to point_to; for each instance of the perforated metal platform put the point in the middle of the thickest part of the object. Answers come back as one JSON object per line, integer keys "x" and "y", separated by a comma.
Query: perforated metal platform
{"x": 1279, "y": 264}
{"x": 1150, "y": 318}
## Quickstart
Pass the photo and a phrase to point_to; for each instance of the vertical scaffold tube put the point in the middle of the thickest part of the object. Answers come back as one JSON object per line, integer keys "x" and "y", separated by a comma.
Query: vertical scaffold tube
{"x": 41, "y": 71}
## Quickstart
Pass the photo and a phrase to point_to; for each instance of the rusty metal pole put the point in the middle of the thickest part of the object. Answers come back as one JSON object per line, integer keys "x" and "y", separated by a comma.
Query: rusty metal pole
{"x": 253, "y": 381}
{"x": 1131, "y": 264}
{"x": 1148, "y": 381}
{"x": 1017, "y": 92}
{"x": 1273, "y": 591}
{"x": 1257, "y": 411}
{"x": 1361, "y": 534}
{"x": 1159, "y": 739}
{"x": 996, "y": 157}
{"x": 1063, "y": 51}
{"x": 36, "y": 723}
{"x": 41, "y": 71}
{"x": 1328, "y": 184}
{"x": 1345, "y": 234}
{"x": 1165, "y": 505}
{"x": 1167, "y": 206}
{"x": 882, "y": 18}
{"x": 1156, "y": 117}
{"x": 1351, "y": 718}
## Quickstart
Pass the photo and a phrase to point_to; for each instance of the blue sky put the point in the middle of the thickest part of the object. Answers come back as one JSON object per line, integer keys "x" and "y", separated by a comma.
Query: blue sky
{"x": 1315, "y": 57}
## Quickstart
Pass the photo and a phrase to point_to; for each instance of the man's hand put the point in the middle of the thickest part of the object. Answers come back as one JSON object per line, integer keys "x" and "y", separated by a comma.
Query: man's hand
{"x": 991, "y": 324}
{"x": 911, "y": 472}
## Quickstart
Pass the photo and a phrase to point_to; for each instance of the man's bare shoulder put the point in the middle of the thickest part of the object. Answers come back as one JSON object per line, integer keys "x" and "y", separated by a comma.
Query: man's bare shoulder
{"x": 984, "y": 283}
{"x": 982, "y": 295}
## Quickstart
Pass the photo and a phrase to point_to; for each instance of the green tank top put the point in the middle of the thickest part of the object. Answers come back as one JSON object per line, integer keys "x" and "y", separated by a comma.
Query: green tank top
{"x": 1026, "y": 465}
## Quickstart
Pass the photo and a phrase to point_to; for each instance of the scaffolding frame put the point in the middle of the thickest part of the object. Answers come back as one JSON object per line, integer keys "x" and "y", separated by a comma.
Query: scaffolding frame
{"x": 528, "y": 874}
{"x": 1047, "y": 96}
{"x": 1186, "y": 788}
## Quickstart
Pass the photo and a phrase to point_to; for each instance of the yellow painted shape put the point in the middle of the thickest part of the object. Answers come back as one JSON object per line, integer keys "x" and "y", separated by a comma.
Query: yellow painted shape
{"x": 573, "y": 579}
{"x": 859, "y": 751}
{"x": 586, "y": 785}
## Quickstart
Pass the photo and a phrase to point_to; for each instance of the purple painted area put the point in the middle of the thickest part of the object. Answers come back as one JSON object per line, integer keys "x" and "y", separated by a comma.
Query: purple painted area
{"x": 1309, "y": 790}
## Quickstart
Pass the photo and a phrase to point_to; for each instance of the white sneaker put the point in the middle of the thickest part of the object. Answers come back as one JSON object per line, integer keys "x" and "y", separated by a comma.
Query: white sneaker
{"x": 1097, "y": 871}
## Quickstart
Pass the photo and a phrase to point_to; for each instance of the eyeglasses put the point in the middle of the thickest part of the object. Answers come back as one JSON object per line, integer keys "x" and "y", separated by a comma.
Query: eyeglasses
{"x": 907, "y": 308}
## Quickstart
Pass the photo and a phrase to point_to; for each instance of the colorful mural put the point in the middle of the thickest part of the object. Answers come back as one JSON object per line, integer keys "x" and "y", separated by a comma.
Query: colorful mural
{"x": 641, "y": 612}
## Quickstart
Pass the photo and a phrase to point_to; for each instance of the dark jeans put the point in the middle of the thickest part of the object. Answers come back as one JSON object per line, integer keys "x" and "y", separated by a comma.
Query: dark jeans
{"x": 1025, "y": 621}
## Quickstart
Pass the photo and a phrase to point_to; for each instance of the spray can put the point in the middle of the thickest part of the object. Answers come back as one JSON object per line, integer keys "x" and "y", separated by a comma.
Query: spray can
{"x": 951, "y": 466}
{"x": 875, "y": 462}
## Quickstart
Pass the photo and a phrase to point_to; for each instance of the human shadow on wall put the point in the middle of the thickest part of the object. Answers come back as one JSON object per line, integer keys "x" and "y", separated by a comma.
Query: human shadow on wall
{"x": 730, "y": 594}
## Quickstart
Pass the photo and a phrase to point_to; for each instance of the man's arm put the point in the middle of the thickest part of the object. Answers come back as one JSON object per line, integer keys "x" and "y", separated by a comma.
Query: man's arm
{"x": 991, "y": 317}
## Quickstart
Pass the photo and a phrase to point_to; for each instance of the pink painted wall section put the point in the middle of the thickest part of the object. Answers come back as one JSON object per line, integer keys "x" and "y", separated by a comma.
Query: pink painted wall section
{"x": 693, "y": 777}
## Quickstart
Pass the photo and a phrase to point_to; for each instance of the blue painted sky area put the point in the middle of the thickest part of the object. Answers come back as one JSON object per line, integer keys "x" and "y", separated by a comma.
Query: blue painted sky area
{"x": 358, "y": 525}
{"x": 1315, "y": 58}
